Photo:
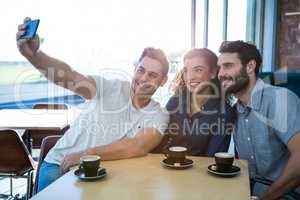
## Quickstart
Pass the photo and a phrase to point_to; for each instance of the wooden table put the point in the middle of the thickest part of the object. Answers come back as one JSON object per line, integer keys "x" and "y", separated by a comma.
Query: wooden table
{"x": 36, "y": 119}
{"x": 145, "y": 178}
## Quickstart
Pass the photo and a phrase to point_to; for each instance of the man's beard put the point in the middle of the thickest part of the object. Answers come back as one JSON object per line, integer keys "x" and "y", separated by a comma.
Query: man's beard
{"x": 144, "y": 92}
{"x": 241, "y": 81}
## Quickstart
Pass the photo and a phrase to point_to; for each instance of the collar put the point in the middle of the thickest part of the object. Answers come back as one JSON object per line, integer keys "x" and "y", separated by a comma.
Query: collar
{"x": 255, "y": 98}
{"x": 256, "y": 95}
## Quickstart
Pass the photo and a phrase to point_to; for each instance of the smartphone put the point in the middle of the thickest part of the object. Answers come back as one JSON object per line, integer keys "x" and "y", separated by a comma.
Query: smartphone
{"x": 31, "y": 28}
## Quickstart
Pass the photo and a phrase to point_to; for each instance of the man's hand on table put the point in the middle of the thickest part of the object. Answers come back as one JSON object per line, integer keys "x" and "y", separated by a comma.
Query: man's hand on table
{"x": 70, "y": 160}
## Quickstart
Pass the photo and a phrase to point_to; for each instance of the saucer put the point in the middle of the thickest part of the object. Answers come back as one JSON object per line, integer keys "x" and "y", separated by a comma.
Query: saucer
{"x": 102, "y": 172}
{"x": 235, "y": 170}
{"x": 186, "y": 164}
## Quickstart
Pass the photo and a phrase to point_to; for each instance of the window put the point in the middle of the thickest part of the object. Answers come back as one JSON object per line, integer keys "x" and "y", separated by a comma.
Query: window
{"x": 215, "y": 24}
{"x": 237, "y": 18}
{"x": 236, "y": 22}
{"x": 92, "y": 35}
{"x": 97, "y": 34}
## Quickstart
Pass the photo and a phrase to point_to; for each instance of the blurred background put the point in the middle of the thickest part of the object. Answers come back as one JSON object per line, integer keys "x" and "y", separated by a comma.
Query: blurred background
{"x": 98, "y": 35}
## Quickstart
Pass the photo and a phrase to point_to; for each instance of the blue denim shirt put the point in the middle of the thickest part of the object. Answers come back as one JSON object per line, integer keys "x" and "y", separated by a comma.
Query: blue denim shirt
{"x": 264, "y": 128}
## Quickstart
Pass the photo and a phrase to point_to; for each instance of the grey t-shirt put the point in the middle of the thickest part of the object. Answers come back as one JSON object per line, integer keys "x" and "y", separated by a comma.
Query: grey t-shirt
{"x": 109, "y": 116}
{"x": 264, "y": 128}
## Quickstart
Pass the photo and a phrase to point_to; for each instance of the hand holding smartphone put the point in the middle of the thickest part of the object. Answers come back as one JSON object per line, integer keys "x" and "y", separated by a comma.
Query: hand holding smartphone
{"x": 27, "y": 41}
{"x": 31, "y": 28}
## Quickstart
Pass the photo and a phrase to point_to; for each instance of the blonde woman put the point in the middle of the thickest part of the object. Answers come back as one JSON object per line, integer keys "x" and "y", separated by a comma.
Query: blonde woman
{"x": 199, "y": 118}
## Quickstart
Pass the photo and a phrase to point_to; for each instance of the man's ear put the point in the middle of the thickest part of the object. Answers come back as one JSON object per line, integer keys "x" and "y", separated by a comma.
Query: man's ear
{"x": 251, "y": 66}
{"x": 164, "y": 80}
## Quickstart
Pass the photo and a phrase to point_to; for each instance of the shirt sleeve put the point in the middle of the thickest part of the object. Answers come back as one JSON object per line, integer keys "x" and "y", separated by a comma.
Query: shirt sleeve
{"x": 172, "y": 104}
{"x": 286, "y": 115}
{"x": 158, "y": 120}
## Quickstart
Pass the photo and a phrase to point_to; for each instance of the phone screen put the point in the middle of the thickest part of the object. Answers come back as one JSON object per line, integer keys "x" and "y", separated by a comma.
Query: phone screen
{"x": 31, "y": 29}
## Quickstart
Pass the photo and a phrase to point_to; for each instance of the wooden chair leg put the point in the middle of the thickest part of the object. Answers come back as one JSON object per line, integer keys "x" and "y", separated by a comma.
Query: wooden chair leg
{"x": 29, "y": 185}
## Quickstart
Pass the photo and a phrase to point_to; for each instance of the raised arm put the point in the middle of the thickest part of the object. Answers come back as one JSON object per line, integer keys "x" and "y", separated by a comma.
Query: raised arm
{"x": 53, "y": 69}
{"x": 140, "y": 145}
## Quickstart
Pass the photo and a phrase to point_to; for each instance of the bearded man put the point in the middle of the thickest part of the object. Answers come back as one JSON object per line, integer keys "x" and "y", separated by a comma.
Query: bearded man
{"x": 268, "y": 121}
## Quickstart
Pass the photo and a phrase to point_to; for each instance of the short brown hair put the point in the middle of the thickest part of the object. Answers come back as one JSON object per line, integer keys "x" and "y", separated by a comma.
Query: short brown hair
{"x": 245, "y": 51}
{"x": 158, "y": 55}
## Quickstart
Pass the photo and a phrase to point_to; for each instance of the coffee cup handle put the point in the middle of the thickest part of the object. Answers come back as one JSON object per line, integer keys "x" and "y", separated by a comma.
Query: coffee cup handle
{"x": 80, "y": 167}
{"x": 167, "y": 155}
{"x": 165, "y": 151}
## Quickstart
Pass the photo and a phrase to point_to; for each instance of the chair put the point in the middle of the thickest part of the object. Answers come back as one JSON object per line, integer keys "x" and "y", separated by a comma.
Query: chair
{"x": 289, "y": 80}
{"x": 33, "y": 138}
{"x": 47, "y": 143}
{"x": 15, "y": 161}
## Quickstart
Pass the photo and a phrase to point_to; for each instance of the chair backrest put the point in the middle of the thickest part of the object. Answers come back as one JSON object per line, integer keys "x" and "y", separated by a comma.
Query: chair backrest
{"x": 51, "y": 106}
{"x": 289, "y": 80}
{"x": 38, "y": 135}
{"x": 14, "y": 156}
{"x": 47, "y": 143}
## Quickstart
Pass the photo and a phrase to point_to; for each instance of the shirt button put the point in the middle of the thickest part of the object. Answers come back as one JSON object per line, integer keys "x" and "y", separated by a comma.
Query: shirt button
{"x": 252, "y": 157}
{"x": 248, "y": 139}
{"x": 246, "y": 120}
